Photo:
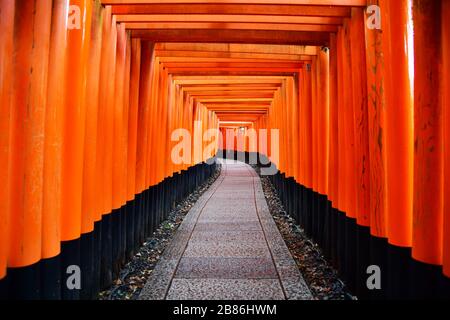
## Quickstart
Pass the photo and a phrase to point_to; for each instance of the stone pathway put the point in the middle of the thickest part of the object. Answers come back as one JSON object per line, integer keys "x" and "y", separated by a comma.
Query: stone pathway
{"x": 228, "y": 247}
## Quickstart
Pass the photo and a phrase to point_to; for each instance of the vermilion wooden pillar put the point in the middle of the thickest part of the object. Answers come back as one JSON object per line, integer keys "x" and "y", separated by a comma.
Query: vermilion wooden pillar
{"x": 78, "y": 39}
{"x": 323, "y": 99}
{"x": 153, "y": 118}
{"x": 360, "y": 111}
{"x": 133, "y": 116}
{"x": 90, "y": 197}
{"x": 90, "y": 240}
{"x": 30, "y": 57}
{"x": 7, "y": 8}
{"x": 314, "y": 123}
{"x": 164, "y": 134}
{"x": 56, "y": 97}
{"x": 399, "y": 124}
{"x": 347, "y": 195}
{"x": 160, "y": 135}
{"x": 109, "y": 114}
{"x": 118, "y": 129}
{"x": 74, "y": 124}
{"x": 428, "y": 165}
{"x": 349, "y": 207}
{"x": 306, "y": 116}
{"x": 29, "y": 83}
{"x": 333, "y": 169}
{"x": 377, "y": 146}
{"x": 286, "y": 130}
{"x": 340, "y": 197}
{"x": 294, "y": 103}
{"x": 143, "y": 110}
{"x": 103, "y": 163}
{"x": 100, "y": 159}
{"x": 445, "y": 82}
{"x": 126, "y": 115}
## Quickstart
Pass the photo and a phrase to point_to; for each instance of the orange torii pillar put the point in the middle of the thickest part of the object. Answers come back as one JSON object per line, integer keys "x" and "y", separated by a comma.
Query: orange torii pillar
{"x": 293, "y": 107}
{"x": 51, "y": 207}
{"x": 445, "y": 74}
{"x": 90, "y": 228}
{"x": 103, "y": 162}
{"x": 348, "y": 183}
{"x": 288, "y": 116}
{"x": 399, "y": 137}
{"x": 120, "y": 132}
{"x": 427, "y": 230}
{"x": 7, "y": 8}
{"x": 73, "y": 141}
{"x": 142, "y": 137}
{"x": 132, "y": 215}
{"x": 151, "y": 175}
{"x": 361, "y": 150}
{"x": 345, "y": 131}
{"x": 376, "y": 123}
{"x": 376, "y": 145}
{"x": 32, "y": 27}
{"x": 333, "y": 168}
{"x": 306, "y": 164}
{"x": 320, "y": 111}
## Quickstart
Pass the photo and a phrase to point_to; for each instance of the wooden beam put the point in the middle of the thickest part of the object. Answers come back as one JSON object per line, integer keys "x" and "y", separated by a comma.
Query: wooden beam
{"x": 222, "y": 80}
{"x": 232, "y": 55}
{"x": 238, "y": 48}
{"x": 232, "y": 70}
{"x": 227, "y": 87}
{"x": 238, "y": 117}
{"x": 233, "y": 36}
{"x": 235, "y": 100}
{"x": 352, "y": 3}
{"x": 220, "y": 93}
{"x": 229, "y": 18}
{"x": 190, "y": 59}
{"x": 248, "y": 107}
{"x": 252, "y": 65}
{"x": 234, "y": 9}
{"x": 228, "y": 106}
{"x": 229, "y": 26}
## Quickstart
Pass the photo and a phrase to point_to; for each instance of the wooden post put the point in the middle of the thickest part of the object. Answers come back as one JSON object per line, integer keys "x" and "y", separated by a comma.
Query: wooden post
{"x": 91, "y": 212}
{"x": 399, "y": 125}
{"x": 74, "y": 124}
{"x": 428, "y": 168}
{"x": 333, "y": 169}
{"x": 30, "y": 65}
{"x": 133, "y": 116}
{"x": 360, "y": 118}
{"x": 376, "y": 103}
{"x": 7, "y": 8}
{"x": 445, "y": 91}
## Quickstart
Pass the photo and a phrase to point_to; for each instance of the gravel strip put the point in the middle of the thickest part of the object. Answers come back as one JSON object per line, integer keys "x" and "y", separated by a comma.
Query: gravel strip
{"x": 135, "y": 273}
{"x": 320, "y": 276}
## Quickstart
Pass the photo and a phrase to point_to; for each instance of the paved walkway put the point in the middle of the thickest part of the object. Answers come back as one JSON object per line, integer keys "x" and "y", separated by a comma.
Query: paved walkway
{"x": 228, "y": 247}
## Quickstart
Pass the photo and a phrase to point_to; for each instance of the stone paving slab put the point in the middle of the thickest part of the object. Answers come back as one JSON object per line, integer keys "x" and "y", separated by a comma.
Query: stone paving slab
{"x": 227, "y": 226}
{"x": 228, "y": 247}
{"x": 225, "y": 289}
{"x": 249, "y": 220}
{"x": 231, "y": 205}
{"x": 226, "y": 268}
{"x": 229, "y": 214}
{"x": 226, "y": 236}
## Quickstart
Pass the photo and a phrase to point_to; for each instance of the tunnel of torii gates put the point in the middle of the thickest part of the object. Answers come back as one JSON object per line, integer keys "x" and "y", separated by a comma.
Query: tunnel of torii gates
{"x": 357, "y": 99}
